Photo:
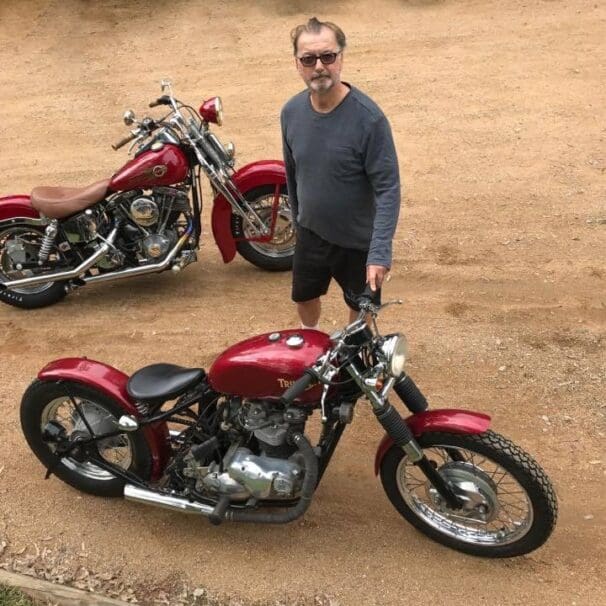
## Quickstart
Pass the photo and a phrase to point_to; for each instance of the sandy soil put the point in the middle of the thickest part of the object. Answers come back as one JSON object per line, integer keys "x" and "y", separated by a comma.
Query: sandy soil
{"x": 498, "y": 115}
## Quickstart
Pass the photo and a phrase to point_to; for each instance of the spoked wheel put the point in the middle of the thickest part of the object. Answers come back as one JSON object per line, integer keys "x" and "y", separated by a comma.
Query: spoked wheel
{"x": 509, "y": 506}
{"x": 19, "y": 249}
{"x": 79, "y": 410}
{"x": 277, "y": 253}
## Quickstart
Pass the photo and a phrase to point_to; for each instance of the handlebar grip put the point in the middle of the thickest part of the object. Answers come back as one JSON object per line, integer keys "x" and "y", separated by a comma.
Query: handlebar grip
{"x": 364, "y": 299}
{"x": 374, "y": 296}
{"x": 298, "y": 387}
{"x": 163, "y": 100}
{"x": 123, "y": 142}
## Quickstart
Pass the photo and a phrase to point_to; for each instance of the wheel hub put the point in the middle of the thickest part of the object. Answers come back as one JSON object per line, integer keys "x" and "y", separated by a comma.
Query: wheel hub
{"x": 475, "y": 489}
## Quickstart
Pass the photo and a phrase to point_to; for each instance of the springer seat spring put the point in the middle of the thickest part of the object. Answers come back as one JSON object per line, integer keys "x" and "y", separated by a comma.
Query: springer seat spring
{"x": 142, "y": 408}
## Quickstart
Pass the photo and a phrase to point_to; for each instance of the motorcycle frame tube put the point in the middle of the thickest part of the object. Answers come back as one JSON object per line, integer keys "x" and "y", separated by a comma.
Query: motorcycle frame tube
{"x": 328, "y": 442}
{"x": 255, "y": 174}
{"x": 447, "y": 419}
{"x": 112, "y": 383}
{"x": 17, "y": 207}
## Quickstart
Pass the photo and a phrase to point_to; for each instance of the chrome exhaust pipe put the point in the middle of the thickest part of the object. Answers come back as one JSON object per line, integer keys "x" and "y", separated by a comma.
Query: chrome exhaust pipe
{"x": 148, "y": 497}
{"x": 146, "y": 269}
{"x": 61, "y": 276}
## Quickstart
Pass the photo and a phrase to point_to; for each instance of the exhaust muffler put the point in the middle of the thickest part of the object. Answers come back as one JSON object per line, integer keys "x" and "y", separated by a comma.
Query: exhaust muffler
{"x": 148, "y": 497}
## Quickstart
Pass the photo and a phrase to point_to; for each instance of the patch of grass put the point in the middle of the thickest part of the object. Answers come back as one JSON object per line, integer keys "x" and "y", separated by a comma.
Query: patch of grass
{"x": 9, "y": 596}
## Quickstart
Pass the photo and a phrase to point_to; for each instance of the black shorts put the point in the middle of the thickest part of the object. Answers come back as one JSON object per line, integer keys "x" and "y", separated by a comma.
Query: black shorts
{"x": 317, "y": 261}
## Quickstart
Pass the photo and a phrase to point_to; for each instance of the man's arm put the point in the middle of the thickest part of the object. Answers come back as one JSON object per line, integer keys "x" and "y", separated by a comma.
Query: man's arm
{"x": 381, "y": 164}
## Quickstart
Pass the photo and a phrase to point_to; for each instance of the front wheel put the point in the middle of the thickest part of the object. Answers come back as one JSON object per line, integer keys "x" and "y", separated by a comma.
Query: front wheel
{"x": 76, "y": 410}
{"x": 277, "y": 253}
{"x": 509, "y": 505}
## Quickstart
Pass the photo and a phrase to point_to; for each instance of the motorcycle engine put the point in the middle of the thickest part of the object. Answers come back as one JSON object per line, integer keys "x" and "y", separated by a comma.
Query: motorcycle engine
{"x": 152, "y": 215}
{"x": 275, "y": 472}
{"x": 144, "y": 211}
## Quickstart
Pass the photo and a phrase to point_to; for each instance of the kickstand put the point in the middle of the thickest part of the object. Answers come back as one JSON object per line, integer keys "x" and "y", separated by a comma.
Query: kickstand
{"x": 50, "y": 470}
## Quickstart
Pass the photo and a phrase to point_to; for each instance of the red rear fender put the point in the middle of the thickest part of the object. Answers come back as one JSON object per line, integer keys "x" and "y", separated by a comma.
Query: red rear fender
{"x": 449, "y": 420}
{"x": 112, "y": 383}
{"x": 12, "y": 207}
{"x": 256, "y": 174}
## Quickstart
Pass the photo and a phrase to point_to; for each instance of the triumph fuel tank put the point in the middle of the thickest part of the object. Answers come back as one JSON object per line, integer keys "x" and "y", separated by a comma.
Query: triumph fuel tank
{"x": 266, "y": 365}
{"x": 164, "y": 166}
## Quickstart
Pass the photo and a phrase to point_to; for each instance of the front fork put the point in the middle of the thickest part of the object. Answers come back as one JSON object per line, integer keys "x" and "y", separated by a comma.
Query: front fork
{"x": 398, "y": 430}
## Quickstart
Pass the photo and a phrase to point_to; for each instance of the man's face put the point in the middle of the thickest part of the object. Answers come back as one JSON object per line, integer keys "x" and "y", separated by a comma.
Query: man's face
{"x": 319, "y": 78}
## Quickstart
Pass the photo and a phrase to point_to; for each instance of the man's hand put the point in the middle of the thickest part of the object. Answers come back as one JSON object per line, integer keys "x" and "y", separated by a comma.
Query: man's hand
{"x": 375, "y": 274}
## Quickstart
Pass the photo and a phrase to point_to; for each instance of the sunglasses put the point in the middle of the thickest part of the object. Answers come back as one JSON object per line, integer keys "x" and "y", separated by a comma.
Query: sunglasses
{"x": 325, "y": 59}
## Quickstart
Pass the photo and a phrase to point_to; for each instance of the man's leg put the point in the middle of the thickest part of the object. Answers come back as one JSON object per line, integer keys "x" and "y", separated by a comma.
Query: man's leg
{"x": 310, "y": 276}
{"x": 309, "y": 313}
{"x": 349, "y": 270}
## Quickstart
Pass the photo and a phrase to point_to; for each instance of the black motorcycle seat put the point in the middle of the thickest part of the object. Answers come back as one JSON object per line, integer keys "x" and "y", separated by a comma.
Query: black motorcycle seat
{"x": 162, "y": 382}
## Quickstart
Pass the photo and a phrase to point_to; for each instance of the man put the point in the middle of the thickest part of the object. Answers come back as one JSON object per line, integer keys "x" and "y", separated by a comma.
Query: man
{"x": 342, "y": 176}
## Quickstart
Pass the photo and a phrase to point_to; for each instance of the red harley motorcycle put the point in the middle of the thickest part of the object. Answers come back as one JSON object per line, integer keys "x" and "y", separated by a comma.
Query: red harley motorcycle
{"x": 146, "y": 218}
{"x": 230, "y": 443}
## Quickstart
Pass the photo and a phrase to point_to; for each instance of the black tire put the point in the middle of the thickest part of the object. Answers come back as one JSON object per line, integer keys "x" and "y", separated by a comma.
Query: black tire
{"x": 36, "y": 406}
{"x": 26, "y": 297}
{"x": 491, "y": 449}
{"x": 276, "y": 255}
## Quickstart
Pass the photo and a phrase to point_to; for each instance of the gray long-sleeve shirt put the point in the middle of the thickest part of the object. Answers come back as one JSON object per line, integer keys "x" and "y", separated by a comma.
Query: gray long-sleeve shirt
{"x": 342, "y": 173}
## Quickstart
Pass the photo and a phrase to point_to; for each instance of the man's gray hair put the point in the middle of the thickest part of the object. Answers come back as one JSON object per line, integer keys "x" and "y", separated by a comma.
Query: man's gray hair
{"x": 314, "y": 26}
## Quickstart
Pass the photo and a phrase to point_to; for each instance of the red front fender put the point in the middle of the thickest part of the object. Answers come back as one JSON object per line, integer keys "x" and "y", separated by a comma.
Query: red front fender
{"x": 12, "y": 207}
{"x": 112, "y": 383}
{"x": 450, "y": 420}
{"x": 255, "y": 174}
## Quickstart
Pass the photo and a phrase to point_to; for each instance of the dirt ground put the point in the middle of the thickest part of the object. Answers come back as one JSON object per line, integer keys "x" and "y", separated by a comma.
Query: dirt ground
{"x": 497, "y": 109}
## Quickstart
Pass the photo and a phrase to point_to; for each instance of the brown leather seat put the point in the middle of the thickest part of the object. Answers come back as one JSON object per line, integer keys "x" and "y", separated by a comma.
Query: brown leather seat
{"x": 60, "y": 202}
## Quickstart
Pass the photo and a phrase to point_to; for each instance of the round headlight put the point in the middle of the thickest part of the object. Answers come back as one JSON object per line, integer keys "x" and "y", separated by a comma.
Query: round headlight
{"x": 395, "y": 349}
{"x": 212, "y": 110}
{"x": 219, "y": 110}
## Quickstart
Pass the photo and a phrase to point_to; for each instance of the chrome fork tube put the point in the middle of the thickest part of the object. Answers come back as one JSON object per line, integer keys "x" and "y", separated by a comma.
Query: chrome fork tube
{"x": 397, "y": 429}
{"x": 388, "y": 416}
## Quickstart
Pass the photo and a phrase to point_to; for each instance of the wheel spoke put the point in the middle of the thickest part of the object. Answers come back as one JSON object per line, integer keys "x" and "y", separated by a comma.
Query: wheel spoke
{"x": 92, "y": 419}
{"x": 496, "y": 509}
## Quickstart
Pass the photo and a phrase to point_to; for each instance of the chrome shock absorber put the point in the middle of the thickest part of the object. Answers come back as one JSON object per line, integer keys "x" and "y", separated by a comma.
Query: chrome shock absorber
{"x": 47, "y": 243}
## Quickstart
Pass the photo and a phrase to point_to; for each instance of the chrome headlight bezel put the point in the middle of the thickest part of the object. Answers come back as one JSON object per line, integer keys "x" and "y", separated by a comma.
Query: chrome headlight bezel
{"x": 395, "y": 350}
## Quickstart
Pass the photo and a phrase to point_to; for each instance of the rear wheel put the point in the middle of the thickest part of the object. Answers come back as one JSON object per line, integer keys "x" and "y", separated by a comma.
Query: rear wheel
{"x": 57, "y": 403}
{"x": 509, "y": 506}
{"x": 277, "y": 253}
{"x": 19, "y": 248}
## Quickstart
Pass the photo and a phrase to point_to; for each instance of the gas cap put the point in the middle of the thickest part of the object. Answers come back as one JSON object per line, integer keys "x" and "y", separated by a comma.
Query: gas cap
{"x": 295, "y": 341}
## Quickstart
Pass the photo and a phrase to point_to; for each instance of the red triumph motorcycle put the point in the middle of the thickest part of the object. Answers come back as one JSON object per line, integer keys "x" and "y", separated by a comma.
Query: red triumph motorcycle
{"x": 146, "y": 218}
{"x": 230, "y": 443}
